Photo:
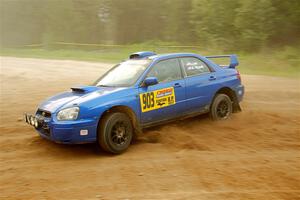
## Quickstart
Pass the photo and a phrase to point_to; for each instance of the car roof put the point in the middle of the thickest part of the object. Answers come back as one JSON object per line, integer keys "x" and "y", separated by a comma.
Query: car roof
{"x": 157, "y": 57}
{"x": 172, "y": 55}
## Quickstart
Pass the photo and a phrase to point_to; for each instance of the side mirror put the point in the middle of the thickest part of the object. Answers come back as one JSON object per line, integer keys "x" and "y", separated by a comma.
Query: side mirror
{"x": 150, "y": 81}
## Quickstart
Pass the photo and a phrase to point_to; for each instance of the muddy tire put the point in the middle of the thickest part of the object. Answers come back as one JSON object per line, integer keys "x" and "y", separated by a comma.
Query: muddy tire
{"x": 115, "y": 133}
{"x": 221, "y": 107}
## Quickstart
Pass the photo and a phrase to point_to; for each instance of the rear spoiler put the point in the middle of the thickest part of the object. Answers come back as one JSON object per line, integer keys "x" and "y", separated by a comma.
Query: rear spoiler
{"x": 233, "y": 60}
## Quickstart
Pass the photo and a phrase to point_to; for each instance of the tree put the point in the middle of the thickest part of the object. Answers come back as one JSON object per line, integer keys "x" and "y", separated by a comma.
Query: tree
{"x": 254, "y": 23}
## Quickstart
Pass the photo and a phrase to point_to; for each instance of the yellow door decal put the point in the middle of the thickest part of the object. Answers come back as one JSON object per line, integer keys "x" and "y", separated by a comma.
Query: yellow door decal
{"x": 157, "y": 99}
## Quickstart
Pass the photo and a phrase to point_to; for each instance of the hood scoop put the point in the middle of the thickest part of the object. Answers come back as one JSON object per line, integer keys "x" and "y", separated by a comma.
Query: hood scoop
{"x": 84, "y": 89}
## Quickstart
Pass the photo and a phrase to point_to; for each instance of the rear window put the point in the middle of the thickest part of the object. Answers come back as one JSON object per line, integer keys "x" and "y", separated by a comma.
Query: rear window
{"x": 193, "y": 66}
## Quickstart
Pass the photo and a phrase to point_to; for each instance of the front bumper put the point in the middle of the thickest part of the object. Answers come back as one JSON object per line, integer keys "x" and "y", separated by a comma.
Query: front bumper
{"x": 67, "y": 132}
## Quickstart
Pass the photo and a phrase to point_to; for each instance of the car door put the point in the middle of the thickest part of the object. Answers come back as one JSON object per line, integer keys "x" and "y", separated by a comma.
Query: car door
{"x": 166, "y": 99}
{"x": 200, "y": 83}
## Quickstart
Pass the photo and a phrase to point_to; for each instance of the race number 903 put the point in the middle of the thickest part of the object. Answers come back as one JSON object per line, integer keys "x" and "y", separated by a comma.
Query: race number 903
{"x": 148, "y": 100}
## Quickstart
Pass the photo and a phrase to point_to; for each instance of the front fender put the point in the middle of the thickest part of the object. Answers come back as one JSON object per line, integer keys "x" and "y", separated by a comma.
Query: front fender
{"x": 96, "y": 107}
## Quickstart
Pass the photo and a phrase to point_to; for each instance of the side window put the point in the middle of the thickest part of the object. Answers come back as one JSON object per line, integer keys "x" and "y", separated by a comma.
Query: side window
{"x": 166, "y": 70}
{"x": 194, "y": 66}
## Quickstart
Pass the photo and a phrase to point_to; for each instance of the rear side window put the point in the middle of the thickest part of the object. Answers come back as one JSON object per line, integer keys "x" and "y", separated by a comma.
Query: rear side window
{"x": 166, "y": 70}
{"x": 194, "y": 66}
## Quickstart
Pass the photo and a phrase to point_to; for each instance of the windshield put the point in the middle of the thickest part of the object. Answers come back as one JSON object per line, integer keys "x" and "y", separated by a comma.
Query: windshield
{"x": 124, "y": 74}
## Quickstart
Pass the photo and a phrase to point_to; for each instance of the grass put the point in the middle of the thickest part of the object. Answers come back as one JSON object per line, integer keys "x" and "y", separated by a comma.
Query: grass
{"x": 275, "y": 63}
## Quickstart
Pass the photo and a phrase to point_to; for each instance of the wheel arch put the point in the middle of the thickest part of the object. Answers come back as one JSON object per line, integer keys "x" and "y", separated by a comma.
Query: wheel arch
{"x": 232, "y": 95}
{"x": 126, "y": 110}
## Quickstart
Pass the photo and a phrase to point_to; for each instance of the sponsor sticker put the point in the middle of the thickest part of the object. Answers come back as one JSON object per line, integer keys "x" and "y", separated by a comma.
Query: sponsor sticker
{"x": 157, "y": 99}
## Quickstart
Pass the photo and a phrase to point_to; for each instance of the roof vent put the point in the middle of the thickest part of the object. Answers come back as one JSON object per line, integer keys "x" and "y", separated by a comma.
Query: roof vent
{"x": 142, "y": 54}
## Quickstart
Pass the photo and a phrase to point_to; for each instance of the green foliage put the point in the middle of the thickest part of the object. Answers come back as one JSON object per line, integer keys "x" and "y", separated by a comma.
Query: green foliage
{"x": 214, "y": 22}
{"x": 227, "y": 25}
{"x": 264, "y": 33}
{"x": 254, "y": 22}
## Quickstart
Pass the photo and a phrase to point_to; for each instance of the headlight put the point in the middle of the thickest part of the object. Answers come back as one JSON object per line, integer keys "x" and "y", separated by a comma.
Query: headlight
{"x": 68, "y": 114}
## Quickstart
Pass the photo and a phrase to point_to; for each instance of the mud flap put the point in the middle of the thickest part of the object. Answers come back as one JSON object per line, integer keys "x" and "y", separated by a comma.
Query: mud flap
{"x": 236, "y": 107}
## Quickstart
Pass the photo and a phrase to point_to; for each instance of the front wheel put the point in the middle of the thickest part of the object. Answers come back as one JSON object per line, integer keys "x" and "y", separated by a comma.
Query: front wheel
{"x": 221, "y": 107}
{"x": 115, "y": 133}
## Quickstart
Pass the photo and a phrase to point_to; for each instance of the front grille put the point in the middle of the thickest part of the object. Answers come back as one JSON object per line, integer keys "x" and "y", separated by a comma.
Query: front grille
{"x": 45, "y": 131}
{"x": 44, "y": 128}
{"x": 44, "y": 113}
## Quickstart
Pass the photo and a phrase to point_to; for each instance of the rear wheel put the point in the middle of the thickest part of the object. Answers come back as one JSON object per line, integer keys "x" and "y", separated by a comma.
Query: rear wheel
{"x": 115, "y": 132}
{"x": 221, "y": 107}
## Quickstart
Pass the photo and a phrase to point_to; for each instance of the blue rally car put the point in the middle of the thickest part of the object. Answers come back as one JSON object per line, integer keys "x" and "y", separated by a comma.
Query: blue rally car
{"x": 142, "y": 91}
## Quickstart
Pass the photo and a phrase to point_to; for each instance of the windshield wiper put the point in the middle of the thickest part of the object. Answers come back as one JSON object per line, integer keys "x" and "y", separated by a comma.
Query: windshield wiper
{"x": 103, "y": 86}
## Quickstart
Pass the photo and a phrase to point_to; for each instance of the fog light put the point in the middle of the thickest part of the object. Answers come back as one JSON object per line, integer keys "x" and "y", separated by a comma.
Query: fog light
{"x": 32, "y": 120}
{"x": 28, "y": 119}
{"x": 36, "y": 124}
{"x": 25, "y": 118}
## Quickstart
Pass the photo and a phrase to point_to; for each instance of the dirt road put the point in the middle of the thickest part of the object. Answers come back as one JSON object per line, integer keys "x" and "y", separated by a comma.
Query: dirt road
{"x": 254, "y": 155}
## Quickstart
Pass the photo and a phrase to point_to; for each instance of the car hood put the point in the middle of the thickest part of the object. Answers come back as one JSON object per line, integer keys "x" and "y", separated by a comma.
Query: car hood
{"x": 74, "y": 97}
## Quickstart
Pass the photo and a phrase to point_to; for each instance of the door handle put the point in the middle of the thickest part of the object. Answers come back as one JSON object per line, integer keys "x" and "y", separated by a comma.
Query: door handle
{"x": 177, "y": 85}
{"x": 211, "y": 78}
